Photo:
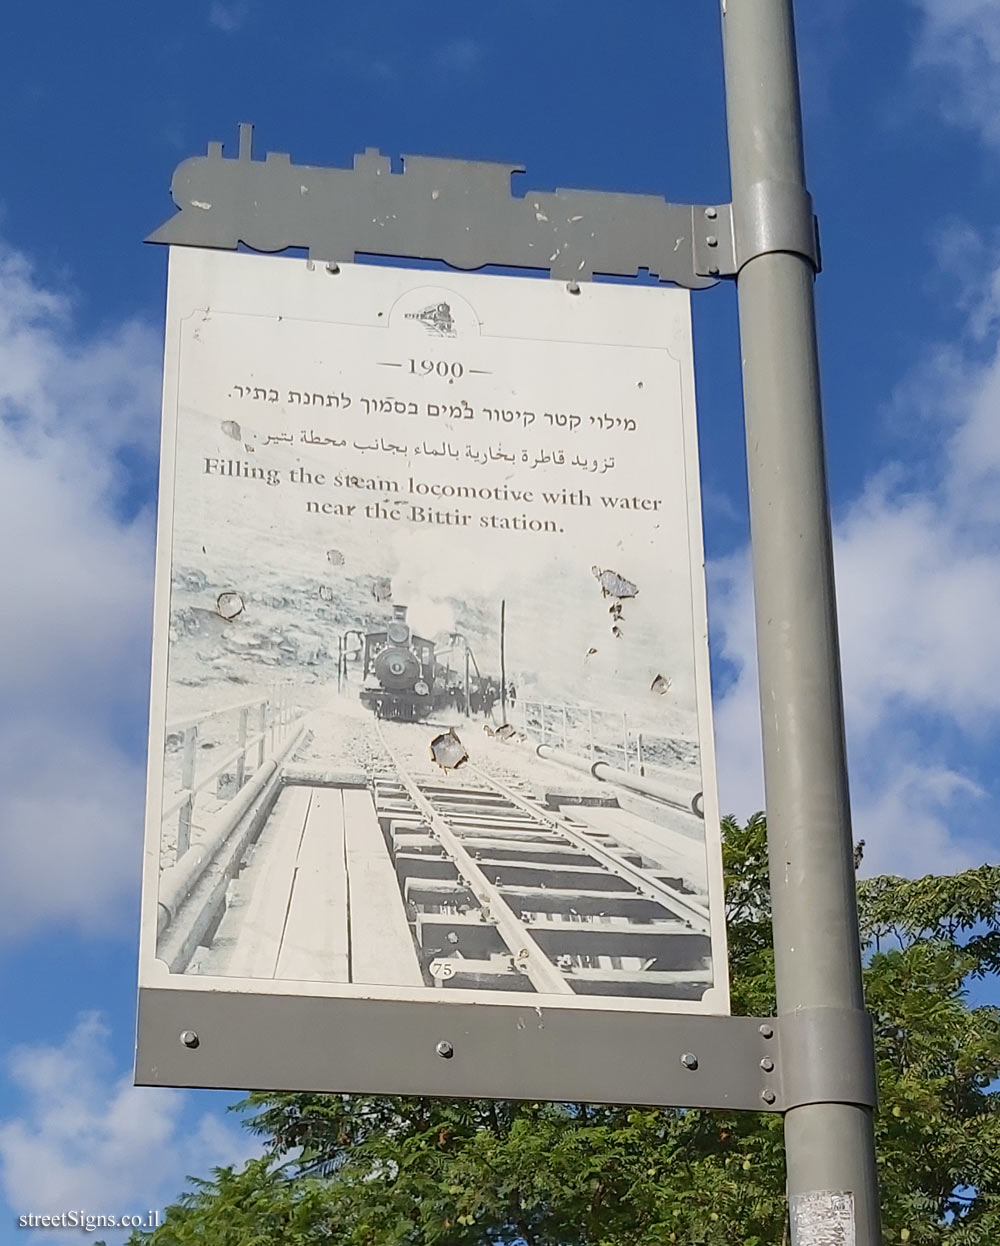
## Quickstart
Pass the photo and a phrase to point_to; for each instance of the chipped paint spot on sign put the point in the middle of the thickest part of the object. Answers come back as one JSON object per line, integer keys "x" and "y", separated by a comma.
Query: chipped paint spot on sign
{"x": 232, "y": 429}
{"x": 197, "y": 203}
{"x": 448, "y": 750}
{"x": 334, "y": 557}
{"x": 614, "y": 585}
{"x": 229, "y": 605}
{"x": 661, "y": 685}
{"x": 382, "y": 589}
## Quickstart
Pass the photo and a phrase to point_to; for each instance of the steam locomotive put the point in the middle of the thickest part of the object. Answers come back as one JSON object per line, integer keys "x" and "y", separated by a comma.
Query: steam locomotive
{"x": 403, "y": 679}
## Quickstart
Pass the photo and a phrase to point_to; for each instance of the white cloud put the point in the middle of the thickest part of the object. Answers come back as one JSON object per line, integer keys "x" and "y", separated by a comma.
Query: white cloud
{"x": 460, "y": 55}
{"x": 77, "y": 414}
{"x": 918, "y": 575}
{"x": 920, "y": 599}
{"x": 71, "y": 817}
{"x": 737, "y": 711}
{"x": 907, "y": 822}
{"x": 959, "y": 48}
{"x": 228, "y": 17}
{"x": 87, "y": 1139}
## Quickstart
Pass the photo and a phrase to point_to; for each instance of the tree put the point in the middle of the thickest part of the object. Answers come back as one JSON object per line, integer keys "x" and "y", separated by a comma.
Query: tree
{"x": 361, "y": 1170}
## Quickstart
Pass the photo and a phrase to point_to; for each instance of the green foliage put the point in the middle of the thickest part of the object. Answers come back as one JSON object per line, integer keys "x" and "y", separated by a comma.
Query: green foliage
{"x": 366, "y": 1170}
{"x": 938, "y": 1129}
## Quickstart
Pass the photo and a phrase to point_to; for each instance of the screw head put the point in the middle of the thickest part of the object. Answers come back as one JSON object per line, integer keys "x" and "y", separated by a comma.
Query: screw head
{"x": 573, "y": 287}
{"x": 444, "y": 1049}
{"x": 713, "y": 270}
{"x": 189, "y": 1038}
{"x": 689, "y": 1060}
{"x": 766, "y": 1031}
{"x": 333, "y": 267}
{"x": 768, "y": 1096}
{"x": 767, "y": 1064}
{"x": 711, "y": 213}
{"x": 712, "y": 240}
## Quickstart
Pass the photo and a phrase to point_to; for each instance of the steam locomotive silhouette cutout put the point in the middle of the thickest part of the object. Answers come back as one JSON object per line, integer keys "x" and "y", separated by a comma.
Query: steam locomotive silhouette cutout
{"x": 403, "y": 678}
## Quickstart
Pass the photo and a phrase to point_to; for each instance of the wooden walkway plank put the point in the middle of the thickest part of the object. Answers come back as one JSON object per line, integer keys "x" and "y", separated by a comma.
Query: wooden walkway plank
{"x": 314, "y": 947}
{"x": 382, "y": 950}
{"x": 268, "y": 880}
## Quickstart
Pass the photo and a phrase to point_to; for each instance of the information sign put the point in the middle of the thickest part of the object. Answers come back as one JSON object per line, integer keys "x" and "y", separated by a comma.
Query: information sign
{"x": 431, "y": 718}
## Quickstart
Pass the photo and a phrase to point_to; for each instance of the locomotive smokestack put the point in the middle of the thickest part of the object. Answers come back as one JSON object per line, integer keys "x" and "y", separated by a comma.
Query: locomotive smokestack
{"x": 399, "y": 612}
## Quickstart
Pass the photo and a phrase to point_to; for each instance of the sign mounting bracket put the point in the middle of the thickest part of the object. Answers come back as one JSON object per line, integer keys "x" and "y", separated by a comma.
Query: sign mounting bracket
{"x": 461, "y": 212}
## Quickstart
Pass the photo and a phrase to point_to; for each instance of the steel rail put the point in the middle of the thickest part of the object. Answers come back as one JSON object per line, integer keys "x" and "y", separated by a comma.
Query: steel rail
{"x": 684, "y": 907}
{"x": 528, "y": 956}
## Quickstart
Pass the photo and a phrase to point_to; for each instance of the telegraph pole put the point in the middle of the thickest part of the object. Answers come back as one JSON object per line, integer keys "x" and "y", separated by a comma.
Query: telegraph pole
{"x": 503, "y": 662}
{"x": 826, "y": 1035}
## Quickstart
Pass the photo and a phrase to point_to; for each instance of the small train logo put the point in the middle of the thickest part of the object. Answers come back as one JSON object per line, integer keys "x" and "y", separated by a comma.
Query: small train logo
{"x": 436, "y": 319}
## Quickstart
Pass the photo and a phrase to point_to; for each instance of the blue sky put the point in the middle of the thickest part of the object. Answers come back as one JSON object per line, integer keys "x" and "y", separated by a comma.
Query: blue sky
{"x": 902, "y": 102}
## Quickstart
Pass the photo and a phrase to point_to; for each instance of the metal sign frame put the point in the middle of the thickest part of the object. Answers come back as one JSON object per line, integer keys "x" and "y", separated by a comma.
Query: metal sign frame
{"x": 187, "y": 1036}
{"x": 464, "y": 213}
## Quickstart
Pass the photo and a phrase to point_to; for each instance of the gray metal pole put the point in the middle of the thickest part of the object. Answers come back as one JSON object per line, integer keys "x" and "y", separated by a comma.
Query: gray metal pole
{"x": 828, "y": 1133}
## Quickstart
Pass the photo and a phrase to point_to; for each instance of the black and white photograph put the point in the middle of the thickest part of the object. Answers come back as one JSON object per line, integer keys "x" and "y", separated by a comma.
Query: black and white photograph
{"x": 431, "y": 705}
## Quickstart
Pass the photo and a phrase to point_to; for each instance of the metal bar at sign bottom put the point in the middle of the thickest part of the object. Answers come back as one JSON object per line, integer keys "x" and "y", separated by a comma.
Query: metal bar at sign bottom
{"x": 829, "y": 1143}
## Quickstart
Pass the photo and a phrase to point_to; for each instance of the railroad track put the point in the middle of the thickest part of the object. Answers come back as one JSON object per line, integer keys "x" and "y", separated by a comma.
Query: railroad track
{"x": 502, "y": 893}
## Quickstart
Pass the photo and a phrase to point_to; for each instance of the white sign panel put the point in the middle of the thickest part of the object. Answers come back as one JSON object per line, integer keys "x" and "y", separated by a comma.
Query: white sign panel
{"x": 430, "y": 715}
